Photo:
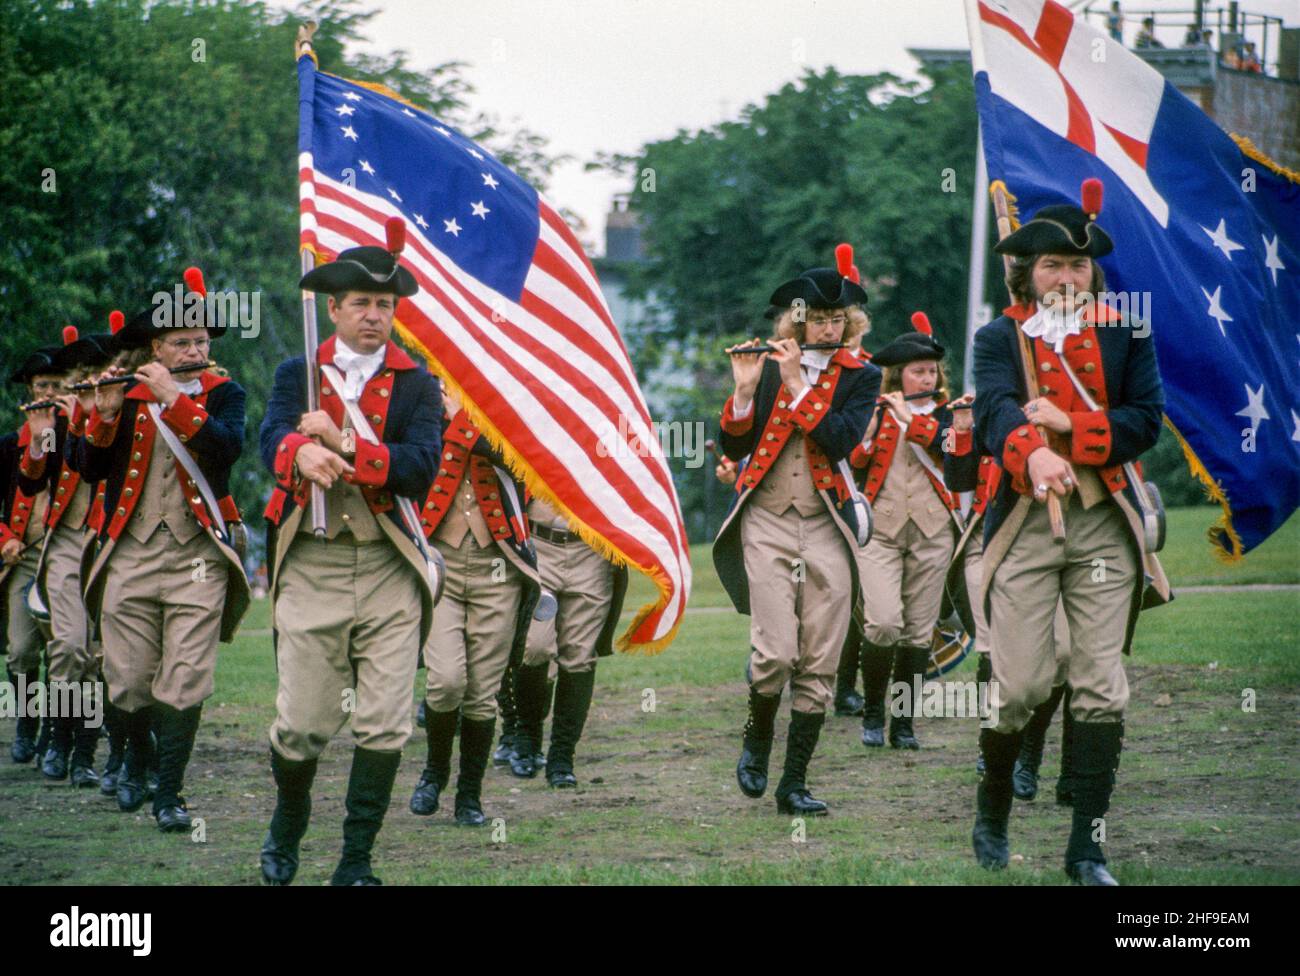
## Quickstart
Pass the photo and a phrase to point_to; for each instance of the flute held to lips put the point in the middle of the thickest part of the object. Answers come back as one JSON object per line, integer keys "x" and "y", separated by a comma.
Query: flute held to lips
{"x": 128, "y": 377}
{"x": 744, "y": 350}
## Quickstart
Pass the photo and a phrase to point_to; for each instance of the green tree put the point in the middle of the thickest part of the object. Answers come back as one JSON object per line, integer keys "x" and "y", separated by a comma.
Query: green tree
{"x": 142, "y": 136}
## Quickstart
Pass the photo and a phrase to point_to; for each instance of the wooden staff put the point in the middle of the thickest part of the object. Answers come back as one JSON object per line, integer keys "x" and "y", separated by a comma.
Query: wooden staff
{"x": 310, "y": 337}
{"x": 1002, "y": 208}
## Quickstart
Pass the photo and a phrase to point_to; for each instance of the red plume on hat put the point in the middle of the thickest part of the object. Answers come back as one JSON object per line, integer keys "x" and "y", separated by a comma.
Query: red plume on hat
{"x": 921, "y": 323}
{"x": 1091, "y": 195}
{"x": 395, "y": 232}
{"x": 194, "y": 281}
{"x": 115, "y": 321}
{"x": 69, "y": 334}
{"x": 844, "y": 263}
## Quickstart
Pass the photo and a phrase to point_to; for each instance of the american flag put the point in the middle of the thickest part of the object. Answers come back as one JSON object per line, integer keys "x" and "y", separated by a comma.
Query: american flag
{"x": 1204, "y": 228}
{"x": 509, "y": 313}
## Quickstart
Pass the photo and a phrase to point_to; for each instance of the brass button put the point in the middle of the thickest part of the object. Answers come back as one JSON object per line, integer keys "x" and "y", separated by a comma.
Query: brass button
{"x": 376, "y": 463}
{"x": 375, "y": 418}
{"x": 428, "y": 504}
{"x": 496, "y": 513}
{"x": 64, "y": 476}
{"x": 771, "y": 437}
{"x": 492, "y": 496}
{"x": 196, "y": 421}
{"x": 762, "y": 452}
{"x": 817, "y": 404}
{"x": 1047, "y": 367}
{"x": 388, "y": 373}
{"x": 384, "y": 393}
{"x": 449, "y": 456}
{"x": 136, "y": 456}
{"x": 139, "y": 436}
{"x": 283, "y": 448}
{"x": 196, "y": 500}
{"x": 1089, "y": 367}
{"x": 184, "y": 437}
{"x": 133, "y": 473}
{"x": 1087, "y": 343}
{"x": 62, "y": 490}
{"x": 826, "y": 386}
{"x": 775, "y": 421}
{"x": 121, "y": 511}
{"x": 781, "y": 404}
{"x": 1044, "y": 390}
{"x": 346, "y": 517}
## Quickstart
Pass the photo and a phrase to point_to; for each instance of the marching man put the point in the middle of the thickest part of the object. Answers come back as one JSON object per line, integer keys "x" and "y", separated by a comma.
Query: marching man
{"x": 1049, "y": 442}
{"x": 166, "y": 584}
{"x": 351, "y": 606}
{"x": 474, "y": 516}
{"x": 785, "y": 552}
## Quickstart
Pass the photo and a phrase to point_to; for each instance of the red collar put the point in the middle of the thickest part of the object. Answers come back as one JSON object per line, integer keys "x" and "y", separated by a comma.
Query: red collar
{"x": 394, "y": 357}
{"x": 847, "y": 359}
{"x": 1094, "y": 312}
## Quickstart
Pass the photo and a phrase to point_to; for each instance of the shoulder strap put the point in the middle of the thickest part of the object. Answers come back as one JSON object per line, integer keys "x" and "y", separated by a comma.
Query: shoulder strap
{"x": 191, "y": 467}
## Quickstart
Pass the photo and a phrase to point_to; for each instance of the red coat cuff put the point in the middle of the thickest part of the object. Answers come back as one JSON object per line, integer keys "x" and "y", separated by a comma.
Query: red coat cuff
{"x": 922, "y": 429}
{"x": 31, "y": 467}
{"x": 77, "y": 422}
{"x": 285, "y": 455}
{"x": 6, "y": 534}
{"x": 371, "y": 462}
{"x": 185, "y": 417}
{"x": 963, "y": 442}
{"x": 1089, "y": 437}
{"x": 734, "y": 427}
{"x": 812, "y": 410}
{"x": 1022, "y": 442}
{"x": 99, "y": 432}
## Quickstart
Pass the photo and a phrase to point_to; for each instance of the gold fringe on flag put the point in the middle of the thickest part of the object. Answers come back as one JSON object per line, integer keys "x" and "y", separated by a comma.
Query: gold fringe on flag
{"x": 534, "y": 484}
{"x": 1248, "y": 148}
{"x": 1222, "y": 536}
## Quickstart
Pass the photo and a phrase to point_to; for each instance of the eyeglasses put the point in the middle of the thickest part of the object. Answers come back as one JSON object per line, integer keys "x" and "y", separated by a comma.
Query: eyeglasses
{"x": 840, "y": 320}
{"x": 185, "y": 345}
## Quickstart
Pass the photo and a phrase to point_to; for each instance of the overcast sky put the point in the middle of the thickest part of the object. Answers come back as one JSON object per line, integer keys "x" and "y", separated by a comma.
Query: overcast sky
{"x": 593, "y": 75}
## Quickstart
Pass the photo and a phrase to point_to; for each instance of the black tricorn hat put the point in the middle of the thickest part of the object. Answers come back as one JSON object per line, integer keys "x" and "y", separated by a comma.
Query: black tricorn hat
{"x": 189, "y": 314}
{"x": 910, "y": 346}
{"x": 38, "y": 361}
{"x": 82, "y": 351}
{"x": 819, "y": 288}
{"x": 1062, "y": 228}
{"x": 370, "y": 268}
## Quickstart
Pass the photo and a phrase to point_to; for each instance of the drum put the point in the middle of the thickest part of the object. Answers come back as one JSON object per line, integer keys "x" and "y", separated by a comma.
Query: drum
{"x": 949, "y": 645}
{"x": 37, "y": 608}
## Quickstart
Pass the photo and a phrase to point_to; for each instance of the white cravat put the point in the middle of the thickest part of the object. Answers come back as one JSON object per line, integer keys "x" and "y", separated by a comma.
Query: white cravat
{"x": 356, "y": 368}
{"x": 923, "y": 410}
{"x": 190, "y": 387}
{"x": 1052, "y": 324}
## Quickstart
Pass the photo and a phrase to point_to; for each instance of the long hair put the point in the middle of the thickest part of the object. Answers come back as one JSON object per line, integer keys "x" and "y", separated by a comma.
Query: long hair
{"x": 892, "y": 381}
{"x": 1020, "y": 279}
{"x": 790, "y": 326}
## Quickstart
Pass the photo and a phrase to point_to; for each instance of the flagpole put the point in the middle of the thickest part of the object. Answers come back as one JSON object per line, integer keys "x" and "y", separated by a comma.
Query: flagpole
{"x": 979, "y": 236}
{"x": 310, "y": 337}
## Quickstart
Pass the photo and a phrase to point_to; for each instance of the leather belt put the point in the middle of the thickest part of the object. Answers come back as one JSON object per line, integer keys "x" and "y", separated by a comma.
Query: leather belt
{"x": 560, "y": 538}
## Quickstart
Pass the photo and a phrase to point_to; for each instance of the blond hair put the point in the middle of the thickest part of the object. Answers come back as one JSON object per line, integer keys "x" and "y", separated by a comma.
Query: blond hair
{"x": 892, "y": 381}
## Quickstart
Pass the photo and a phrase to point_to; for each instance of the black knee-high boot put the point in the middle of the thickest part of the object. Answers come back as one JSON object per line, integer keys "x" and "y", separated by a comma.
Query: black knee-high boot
{"x": 983, "y": 678}
{"x": 475, "y": 744}
{"x": 876, "y": 660}
{"x": 115, "y": 721}
{"x": 289, "y": 822}
{"x": 132, "y": 784}
{"x": 792, "y": 794}
{"x": 910, "y": 664}
{"x": 1025, "y": 777}
{"x": 24, "y": 748}
{"x": 1097, "y": 747}
{"x": 847, "y": 701}
{"x": 177, "y": 730}
{"x": 54, "y": 763}
{"x": 509, "y": 719}
{"x": 573, "y": 691}
{"x": 1064, "y": 786}
{"x": 439, "y": 732}
{"x": 530, "y": 706}
{"x": 993, "y": 798}
{"x": 756, "y": 744}
{"x": 370, "y": 787}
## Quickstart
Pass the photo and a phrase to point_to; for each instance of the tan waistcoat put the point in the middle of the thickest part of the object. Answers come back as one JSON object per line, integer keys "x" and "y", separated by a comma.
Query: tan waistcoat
{"x": 162, "y": 500}
{"x": 345, "y": 511}
{"x": 908, "y": 494}
{"x": 464, "y": 516}
{"x": 789, "y": 482}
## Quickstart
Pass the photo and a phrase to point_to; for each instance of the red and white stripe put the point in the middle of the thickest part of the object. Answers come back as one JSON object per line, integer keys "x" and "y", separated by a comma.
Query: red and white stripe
{"x": 549, "y": 372}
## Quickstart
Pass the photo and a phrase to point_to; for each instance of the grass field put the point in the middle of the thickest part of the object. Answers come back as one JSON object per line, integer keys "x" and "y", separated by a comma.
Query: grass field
{"x": 1207, "y": 790}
